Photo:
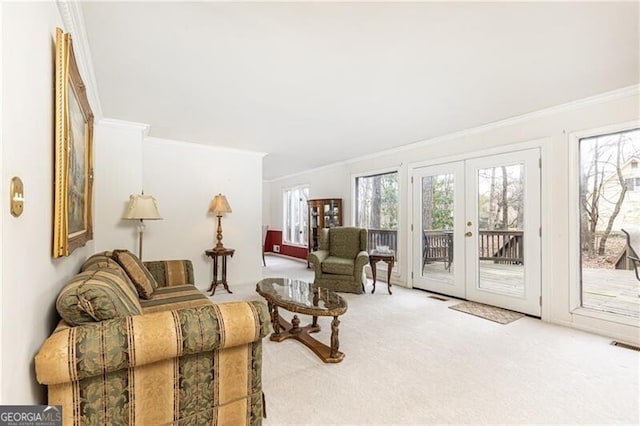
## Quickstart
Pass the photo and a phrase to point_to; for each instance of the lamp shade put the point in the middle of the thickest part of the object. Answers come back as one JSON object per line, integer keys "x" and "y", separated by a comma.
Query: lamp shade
{"x": 142, "y": 207}
{"x": 219, "y": 205}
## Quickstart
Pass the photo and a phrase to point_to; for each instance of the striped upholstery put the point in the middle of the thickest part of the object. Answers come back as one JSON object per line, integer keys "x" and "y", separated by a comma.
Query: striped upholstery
{"x": 171, "y": 272}
{"x": 175, "y": 297}
{"x": 100, "y": 260}
{"x": 104, "y": 260}
{"x": 173, "y": 359}
{"x": 140, "y": 276}
{"x": 194, "y": 366}
{"x": 97, "y": 295}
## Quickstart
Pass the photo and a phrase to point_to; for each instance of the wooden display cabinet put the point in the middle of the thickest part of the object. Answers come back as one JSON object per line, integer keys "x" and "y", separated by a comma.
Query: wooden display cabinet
{"x": 323, "y": 213}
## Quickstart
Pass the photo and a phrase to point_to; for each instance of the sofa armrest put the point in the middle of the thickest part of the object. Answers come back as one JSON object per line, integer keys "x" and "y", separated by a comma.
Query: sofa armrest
{"x": 94, "y": 349}
{"x": 168, "y": 273}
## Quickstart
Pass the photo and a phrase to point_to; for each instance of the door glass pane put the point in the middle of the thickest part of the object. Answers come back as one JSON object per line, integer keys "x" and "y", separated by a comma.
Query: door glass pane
{"x": 437, "y": 228}
{"x": 500, "y": 229}
{"x": 609, "y": 204}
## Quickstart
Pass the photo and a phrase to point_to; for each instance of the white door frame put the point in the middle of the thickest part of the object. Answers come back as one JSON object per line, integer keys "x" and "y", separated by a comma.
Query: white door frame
{"x": 456, "y": 287}
{"x": 545, "y": 146}
{"x": 529, "y": 301}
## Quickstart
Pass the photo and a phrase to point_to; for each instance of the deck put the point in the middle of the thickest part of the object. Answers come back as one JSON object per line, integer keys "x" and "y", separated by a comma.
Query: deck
{"x": 609, "y": 290}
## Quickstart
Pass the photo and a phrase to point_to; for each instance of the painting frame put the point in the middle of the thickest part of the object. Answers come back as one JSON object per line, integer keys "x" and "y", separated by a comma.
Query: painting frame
{"x": 73, "y": 164}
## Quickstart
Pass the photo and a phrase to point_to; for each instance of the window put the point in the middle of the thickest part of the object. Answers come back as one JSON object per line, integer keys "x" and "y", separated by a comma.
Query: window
{"x": 377, "y": 208}
{"x": 633, "y": 184}
{"x": 296, "y": 215}
{"x": 609, "y": 198}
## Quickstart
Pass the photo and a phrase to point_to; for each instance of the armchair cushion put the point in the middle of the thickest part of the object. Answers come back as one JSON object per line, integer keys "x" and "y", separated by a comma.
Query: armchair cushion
{"x": 97, "y": 295}
{"x": 139, "y": 274}
{"x": 337, "y": 265}
{"x": 345, "y": 243}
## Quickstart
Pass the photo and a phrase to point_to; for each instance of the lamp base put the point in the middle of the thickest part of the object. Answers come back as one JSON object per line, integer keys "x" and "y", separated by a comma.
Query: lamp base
{"x": 219, "y": 234}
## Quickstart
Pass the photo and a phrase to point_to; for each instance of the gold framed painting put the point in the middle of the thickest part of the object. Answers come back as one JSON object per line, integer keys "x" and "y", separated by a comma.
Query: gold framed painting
{"x": 73, "y": 168}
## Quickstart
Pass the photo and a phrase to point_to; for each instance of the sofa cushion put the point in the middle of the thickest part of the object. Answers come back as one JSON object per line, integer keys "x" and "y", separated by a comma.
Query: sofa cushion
{"x": 337, "y": 265}
{"x": 104, "y": 260}
{"x": 170, "y": 272}
{"x": 174, "y": 297}
{"x": 100, "y": 260}
{"x": 139, "y": 274}
{"x": 97, "y": 295}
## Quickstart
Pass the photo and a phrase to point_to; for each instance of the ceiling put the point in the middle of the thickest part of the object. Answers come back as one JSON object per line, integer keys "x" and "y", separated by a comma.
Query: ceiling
{"x": 311, "y": 84}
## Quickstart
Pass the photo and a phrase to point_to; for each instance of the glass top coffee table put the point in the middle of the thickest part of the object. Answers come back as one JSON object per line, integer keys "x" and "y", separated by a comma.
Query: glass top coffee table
{"x": 303, "y": 298}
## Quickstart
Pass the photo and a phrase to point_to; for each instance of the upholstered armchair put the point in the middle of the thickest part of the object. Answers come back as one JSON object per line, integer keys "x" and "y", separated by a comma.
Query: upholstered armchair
{"x": 340, "y": 259}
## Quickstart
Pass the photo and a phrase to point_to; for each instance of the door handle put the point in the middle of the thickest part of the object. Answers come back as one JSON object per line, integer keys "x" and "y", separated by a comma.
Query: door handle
{"x": 468, "y": 234}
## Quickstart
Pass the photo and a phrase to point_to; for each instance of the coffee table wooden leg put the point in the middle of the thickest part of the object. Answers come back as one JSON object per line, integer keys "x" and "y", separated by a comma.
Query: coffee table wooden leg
{"x": 295, "y": 325}
{"x": 275, "y": 319}
{"x": 335, "y": 343}
{"x": 314, "y": 323}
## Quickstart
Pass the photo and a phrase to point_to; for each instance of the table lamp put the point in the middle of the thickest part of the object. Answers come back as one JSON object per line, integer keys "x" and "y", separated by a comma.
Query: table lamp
{"x": 219, "y": 206}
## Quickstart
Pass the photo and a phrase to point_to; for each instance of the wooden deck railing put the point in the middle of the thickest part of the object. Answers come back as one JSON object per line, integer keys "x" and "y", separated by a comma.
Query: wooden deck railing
{"x": 382, "y": 237}
{"x": 499, "y": 246}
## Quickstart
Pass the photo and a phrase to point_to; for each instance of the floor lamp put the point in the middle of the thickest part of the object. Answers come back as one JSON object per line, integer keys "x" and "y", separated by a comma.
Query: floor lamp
{"x": 142, "y": 207}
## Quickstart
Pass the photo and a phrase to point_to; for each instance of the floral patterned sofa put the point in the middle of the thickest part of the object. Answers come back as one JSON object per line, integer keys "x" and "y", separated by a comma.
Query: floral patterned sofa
{"x": 138, "y": 343}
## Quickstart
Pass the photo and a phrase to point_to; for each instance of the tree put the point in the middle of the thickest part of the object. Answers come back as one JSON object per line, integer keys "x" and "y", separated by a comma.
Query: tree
{"x": 602, "y": 185}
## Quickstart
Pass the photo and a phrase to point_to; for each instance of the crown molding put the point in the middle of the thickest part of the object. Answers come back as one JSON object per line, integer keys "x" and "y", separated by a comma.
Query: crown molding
{"x": 73, "y": 21}
{"x": 205, "y": 146}
{"x": 573, "y": 105}
{"x": 569, "y": 106}
{"x": 130, "y": 125}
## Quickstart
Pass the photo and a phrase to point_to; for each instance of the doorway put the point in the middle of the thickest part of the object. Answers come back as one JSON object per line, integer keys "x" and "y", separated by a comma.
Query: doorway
{"x": 477, "y": 231}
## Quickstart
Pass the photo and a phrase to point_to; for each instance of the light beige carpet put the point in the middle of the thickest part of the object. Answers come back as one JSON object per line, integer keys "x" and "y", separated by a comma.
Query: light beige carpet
{"x": 492, "y": 313}
{"x": 410, "y": 360}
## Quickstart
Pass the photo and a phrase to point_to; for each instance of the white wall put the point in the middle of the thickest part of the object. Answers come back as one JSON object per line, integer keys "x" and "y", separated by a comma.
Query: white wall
{"x": 184, "y": 178}
{"x": 266, "y": 212}
{"x": 118, "y": 174}
{"x": 31, "y": 279}
{"x": 554, "y": 126}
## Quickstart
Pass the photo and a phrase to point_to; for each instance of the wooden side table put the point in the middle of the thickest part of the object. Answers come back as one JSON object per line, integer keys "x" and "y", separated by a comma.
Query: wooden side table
{"x": 215, "y": 254}
{"x": 389, "y": 259}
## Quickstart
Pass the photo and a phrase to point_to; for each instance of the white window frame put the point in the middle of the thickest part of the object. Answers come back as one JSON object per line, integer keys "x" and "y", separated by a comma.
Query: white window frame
{"x": 285, "y": 211}
{"x": 575, "y": 288}
{"x": 354, "y": 178}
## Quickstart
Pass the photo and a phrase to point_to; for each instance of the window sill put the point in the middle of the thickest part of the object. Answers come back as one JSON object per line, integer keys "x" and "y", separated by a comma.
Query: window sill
{"x": 304, "y": 246}
{"x": 605, "y": 316}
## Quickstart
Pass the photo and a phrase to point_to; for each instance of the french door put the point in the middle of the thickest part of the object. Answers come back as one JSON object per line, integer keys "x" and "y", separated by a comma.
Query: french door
{"x": 476, "y": 230}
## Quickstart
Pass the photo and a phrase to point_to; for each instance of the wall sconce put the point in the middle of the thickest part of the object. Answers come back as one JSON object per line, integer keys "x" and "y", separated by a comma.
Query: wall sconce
{"x": 219, "y": 206}
{"x": 16, "y": 195}
{"x": 142, "y": 207}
